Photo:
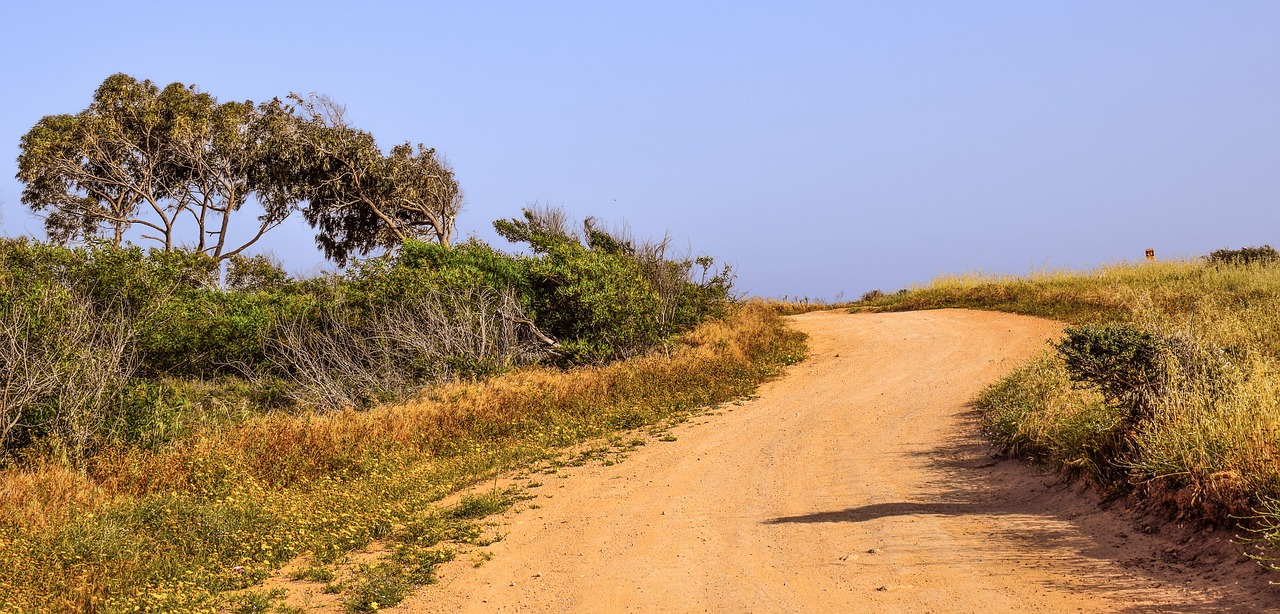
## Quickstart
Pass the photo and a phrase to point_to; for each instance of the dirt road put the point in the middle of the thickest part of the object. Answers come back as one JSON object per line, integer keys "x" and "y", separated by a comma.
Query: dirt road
{"x": 857, "y": 483}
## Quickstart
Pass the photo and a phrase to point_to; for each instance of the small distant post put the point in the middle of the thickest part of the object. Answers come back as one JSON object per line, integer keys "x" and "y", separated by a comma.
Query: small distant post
{"x": 1151, "y": 254}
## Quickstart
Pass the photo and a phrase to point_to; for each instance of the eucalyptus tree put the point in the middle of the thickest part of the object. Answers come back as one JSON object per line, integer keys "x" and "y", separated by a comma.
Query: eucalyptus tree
{"x": 95, "y": 171}
{"x": 139, "y": 155}
{"x": 221, "y": 155}
{"x": 358, "y": 198}
{"x": 181, "y": 166}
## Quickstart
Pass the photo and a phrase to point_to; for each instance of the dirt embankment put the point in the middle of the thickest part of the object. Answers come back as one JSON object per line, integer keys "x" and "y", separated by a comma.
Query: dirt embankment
{"x": 857, "y": 483}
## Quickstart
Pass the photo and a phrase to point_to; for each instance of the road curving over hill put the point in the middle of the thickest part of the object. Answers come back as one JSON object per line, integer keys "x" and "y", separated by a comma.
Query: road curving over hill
{"x": 856, "y": 483}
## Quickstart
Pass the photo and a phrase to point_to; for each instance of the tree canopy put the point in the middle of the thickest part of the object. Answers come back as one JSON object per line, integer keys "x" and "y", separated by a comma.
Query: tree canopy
{"x": 359, "y": 198}
{"x": 180, "y": 166}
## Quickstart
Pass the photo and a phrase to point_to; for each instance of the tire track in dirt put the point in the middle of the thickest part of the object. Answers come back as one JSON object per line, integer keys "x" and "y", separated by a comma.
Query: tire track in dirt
{"x": 857, "y": 483}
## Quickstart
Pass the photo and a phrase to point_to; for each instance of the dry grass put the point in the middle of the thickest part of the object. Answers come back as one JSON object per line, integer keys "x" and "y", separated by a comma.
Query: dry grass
{"x": 1103, "y": 294}
{"x": 171, "y": 530}
{"x": 789, "y": 307}
{"x": 42, "y": 495}
{"x": 1211, "y": 447}
{"x": 1038, "y": 414}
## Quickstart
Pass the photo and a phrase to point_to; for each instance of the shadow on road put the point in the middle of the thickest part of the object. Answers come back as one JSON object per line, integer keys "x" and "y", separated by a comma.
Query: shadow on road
{"x": 1026, "y": 517}
{"x": 885, "y": 510}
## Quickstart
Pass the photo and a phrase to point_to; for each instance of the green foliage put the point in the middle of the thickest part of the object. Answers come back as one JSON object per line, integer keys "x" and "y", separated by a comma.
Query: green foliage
{"x": 607, "y": 297}
{"x": 420, "y": 268}
{"x": 1036, "y": 412}
{"x": 395, "y": 323}
{"x": 208, "y": 331}
{"x": 598, "y": 304}
{"x": 378, "y": 586}
{"x": 180, "y": 322}
{"x": 256, "y": 602}
{"x": 140, "y": 156}
{"x": 94, "y": 330}
{"x": 65, "y": 355}
{"x": 1118, "y": 359}
{"x": 1244, "y": 256}
{"x": 359, "y": 199}
{"x": 260, "y": 273}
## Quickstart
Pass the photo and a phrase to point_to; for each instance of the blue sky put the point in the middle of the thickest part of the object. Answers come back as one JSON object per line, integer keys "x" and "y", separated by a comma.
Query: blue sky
{"x": 820, "y": 147}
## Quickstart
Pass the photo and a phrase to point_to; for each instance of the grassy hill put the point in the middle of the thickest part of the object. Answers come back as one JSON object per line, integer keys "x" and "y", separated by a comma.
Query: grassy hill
{"x": 1165, "y": 388}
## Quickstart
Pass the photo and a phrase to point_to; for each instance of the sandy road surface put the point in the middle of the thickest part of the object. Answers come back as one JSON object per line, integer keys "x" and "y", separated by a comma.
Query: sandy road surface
{"x": 857, "y": 483}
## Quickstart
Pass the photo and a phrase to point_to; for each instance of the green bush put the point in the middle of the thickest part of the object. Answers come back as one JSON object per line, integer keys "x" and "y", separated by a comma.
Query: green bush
{"x": 1037, "y": 412}
{"x": 181, "y": 323}
{"x": 99, "y": 334}
{"x": 1122, "y": 362}
{"x": 607, "y": 297}
{"x": 417, "y": 268}
{"x": 1244, "y": 256}
{"x": 598, "y": 304}
{"x": 63, "y": 363}
{"x": 204, "y": 332}
{"x": 255, "y": 273}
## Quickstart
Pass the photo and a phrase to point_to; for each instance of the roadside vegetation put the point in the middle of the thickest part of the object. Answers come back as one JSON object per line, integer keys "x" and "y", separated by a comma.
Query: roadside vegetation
{"x": 796, "y": 305}
{"x": 167, "y": 439}
{"x": 1166, "y": 386}
{"x": 179, "y": 422}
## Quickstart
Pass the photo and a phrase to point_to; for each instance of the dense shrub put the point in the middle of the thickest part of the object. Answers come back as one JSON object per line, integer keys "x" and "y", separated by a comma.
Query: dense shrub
{"x": 370, "y": 286}
{"x": 1121, "y": 361}
{"x": 597, "y": 303}
{"x": 63, "y": 364}
{"x": 1244, "y": 256}
{"x": 336, "y": 360}
{"x": 608, "y": 296}
{"x": 109, "y": 326}
{"x": 255, "y": 273}
{"x": 179, "y": 321}
{"x": 1039, "y": 411}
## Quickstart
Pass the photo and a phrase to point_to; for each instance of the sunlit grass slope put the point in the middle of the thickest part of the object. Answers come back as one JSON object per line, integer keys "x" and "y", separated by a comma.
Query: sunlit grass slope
{"x": 174, "y": 529}
{"x": 1168, "y": 387}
